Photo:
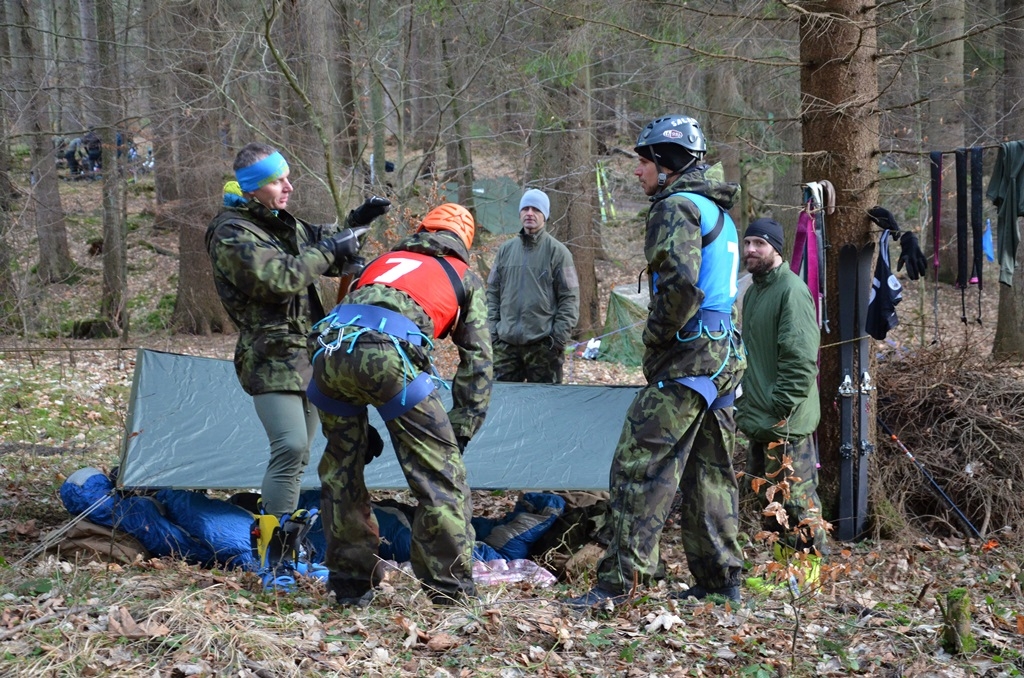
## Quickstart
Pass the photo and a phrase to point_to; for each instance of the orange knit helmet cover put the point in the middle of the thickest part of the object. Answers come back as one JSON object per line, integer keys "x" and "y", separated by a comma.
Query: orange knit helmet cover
{"x": 450, "y": 217}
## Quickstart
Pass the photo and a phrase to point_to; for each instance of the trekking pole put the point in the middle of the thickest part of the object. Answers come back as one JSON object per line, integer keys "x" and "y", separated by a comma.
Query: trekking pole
{"x": 903, "y": 448}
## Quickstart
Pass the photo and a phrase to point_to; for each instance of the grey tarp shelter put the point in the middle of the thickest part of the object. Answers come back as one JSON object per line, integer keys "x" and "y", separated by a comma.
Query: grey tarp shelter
{"x": 190, "y": 426}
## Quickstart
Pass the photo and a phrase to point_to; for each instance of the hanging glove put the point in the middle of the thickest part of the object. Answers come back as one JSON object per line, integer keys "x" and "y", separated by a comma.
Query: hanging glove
{"x": 883, "y": 218}
{"x": 374, "y": 444}
{"x": 911, "y": 256}
{"x": 373, "y": 207}
{"x": 462, "y": 441}
{"x": 344, "y": 244}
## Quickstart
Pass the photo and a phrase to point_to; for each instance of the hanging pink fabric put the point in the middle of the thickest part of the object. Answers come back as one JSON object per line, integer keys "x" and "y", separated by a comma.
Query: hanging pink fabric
{"x": 805, "y": 258}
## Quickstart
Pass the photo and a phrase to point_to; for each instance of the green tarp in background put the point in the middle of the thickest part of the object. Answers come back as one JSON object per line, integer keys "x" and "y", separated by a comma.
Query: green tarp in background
{"x": 495, "y": 203}
{"x": 624, "y": 326}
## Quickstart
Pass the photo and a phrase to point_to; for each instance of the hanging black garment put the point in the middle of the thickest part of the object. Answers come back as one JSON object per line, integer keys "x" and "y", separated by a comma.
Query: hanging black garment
{"x": 977, "y": 228}
{"x": 961, "y": 230}
{"x": 886, "y": 293}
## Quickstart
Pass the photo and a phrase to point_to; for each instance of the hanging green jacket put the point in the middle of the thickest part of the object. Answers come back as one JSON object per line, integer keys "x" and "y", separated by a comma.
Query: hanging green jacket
{"x": 781, "y": 336}
{"x": 1006, "y": 191}
{"x": 265, "y": 267}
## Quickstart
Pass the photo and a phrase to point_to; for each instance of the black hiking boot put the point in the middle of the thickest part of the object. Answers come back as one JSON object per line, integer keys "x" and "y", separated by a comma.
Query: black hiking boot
{"x": 362, "y": 601}
{"x": 596, "y": 597}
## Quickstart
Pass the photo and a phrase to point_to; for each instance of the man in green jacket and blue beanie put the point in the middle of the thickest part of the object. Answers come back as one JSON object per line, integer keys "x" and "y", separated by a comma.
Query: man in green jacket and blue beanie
{"x": 533, "y": 299}
{"x": 679, "y": 431}
{"x": 778, "y": 410}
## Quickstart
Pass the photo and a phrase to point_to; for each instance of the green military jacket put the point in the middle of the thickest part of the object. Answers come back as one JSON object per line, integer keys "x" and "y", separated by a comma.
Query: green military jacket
{"x": 672, "y": 247}
{"x": 533, "y": 291}
{"x": 265, "y": 268}
{"x": 471, "y": 386}
{"x": 781, "y": 336}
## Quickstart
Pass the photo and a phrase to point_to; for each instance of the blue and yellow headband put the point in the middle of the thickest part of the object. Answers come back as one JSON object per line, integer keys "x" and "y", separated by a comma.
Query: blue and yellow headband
{"x": 259, "y": 174}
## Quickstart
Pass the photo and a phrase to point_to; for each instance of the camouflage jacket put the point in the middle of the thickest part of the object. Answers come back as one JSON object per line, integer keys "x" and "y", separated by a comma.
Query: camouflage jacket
{"x": 672, "y": 246}
{"x": 471, "y": 387}
{"x": 265, "y": 268}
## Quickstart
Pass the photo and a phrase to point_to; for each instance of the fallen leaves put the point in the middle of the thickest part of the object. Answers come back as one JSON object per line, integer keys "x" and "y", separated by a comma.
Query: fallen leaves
{"x": 120, "y": 623}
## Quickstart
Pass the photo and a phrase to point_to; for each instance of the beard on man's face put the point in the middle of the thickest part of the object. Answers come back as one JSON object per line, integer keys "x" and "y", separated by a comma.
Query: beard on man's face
{"x": 757, "y": 265}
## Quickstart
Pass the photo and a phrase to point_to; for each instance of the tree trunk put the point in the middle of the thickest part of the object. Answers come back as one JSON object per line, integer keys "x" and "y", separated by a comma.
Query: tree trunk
{"x": 347, "y": 121}
{"x": 115, "y": 235}
{"x": 55, "y": 262}
{"x": 945, "y": 120}
{"x": 10, "y": 319}
{"x": 726, "y": 107}
{"x": 839, "y": 89}
{"x": 562, "y": 164}
{"x": 1009, "y": 339}
{"x": 161, "y": 88}
{"x": 460, "y": 158}
{"x": 304, "y": 48}
{"x": 91, "y": 59}
{"x": 197, "y": 309}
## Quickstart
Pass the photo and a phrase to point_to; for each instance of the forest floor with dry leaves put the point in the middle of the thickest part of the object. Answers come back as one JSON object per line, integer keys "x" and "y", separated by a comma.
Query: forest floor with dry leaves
{"x": 63, "y": 406}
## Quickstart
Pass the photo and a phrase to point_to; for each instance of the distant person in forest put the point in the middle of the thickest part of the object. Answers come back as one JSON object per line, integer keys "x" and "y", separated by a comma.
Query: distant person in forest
{"x": 533, "y": 299}
{"x": 265, "y": 264}
{"x": 679, "y": 431}
{"x": 75, "y": 155}
{"x": 93, "y": 151}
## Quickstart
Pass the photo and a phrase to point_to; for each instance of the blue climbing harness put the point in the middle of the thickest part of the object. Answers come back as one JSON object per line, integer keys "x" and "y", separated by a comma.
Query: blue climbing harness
{"x": 348, "y": 322}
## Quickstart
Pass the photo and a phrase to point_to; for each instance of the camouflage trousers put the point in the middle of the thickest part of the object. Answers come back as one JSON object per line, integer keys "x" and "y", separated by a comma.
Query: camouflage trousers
{"x": 536, "y": 363}
{"x": 670, "y": 442}
{"x": 802, "y": 504}
{"x": 442, "y": 536}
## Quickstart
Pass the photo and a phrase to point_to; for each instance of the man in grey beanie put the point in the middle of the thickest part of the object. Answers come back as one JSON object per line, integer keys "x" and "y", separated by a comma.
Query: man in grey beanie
{"x": 532, "y": 299}
{"x": 778, "y": 410}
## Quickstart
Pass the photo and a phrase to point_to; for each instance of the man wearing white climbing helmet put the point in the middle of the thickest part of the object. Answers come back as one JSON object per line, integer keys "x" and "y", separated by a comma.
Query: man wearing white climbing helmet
{"x": 679, "y": 432}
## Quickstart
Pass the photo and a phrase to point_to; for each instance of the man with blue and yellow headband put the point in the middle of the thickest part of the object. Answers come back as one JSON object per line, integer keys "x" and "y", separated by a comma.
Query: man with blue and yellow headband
{"x": 265, "y": 265}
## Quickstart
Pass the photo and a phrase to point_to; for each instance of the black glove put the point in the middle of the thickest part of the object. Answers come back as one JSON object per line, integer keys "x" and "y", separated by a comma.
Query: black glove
{"x": 462, "y": 441}
{"x": 344, "y": 244}
{"x": 557, "y": 346}
{"x": 374, "y": 445}
{"x": 883, "y": 218}
{"x": 912, "y": 256}
{"x": 369, "y": 210}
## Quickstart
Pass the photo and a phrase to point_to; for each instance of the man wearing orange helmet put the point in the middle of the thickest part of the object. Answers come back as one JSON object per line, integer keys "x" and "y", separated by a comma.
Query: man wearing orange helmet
{"x": 375, "y": 351}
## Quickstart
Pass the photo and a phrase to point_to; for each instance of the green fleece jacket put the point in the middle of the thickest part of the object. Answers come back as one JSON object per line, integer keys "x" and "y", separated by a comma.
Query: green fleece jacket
{"x": 780, "y": 332}
{"x": 533, "y": 291}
